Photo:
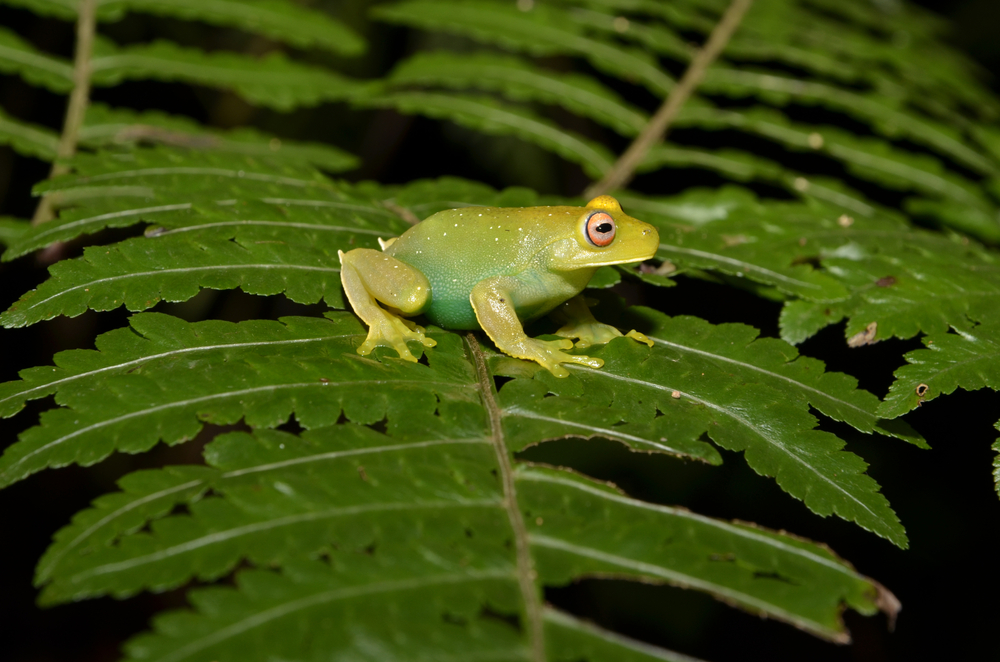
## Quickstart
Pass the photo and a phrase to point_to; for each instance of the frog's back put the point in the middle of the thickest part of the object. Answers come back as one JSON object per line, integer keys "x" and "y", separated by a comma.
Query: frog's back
{"x": 457, "y": 248}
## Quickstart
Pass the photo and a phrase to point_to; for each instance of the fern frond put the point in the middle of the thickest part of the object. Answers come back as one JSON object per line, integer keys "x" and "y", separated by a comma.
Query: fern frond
{"x": 635, "y": 384}
{"x": 787, "y": 33}
{"x": 19, "y": 57}
{"x": 543, "y": 30}
{"x": 382, "y": 500}
{"x": 966, "y": 358}
{"x": 280, "y": 20}
{"x": 872, "y": 159}
{"x": 274, "y": 80}
{"x": 11, "y": 229}
{"x": 494, "y": 117}
{"x": 880, "y": 112}
{"x": 61, "y": 9}
{"x": 521, "y": 81}
{"x": 902, "y": 297}
{"x": 744, "y": 167}
{"x": 116, "y": 126}
{"x": 772, "y": 362}
{"x": 250, "y": 254}
{"x": 28, "y": 139}
{"x": 778, "y": 440}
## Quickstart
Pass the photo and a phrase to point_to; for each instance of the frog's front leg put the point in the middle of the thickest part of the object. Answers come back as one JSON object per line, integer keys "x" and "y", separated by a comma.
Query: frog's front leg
{"x": 492, "y": 300}
{"x": 578, "y": 322}
{"x": 367, "y": 276}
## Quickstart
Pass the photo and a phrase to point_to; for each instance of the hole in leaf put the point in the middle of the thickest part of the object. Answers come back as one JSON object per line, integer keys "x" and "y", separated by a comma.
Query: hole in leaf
{"x": 291, "y": 426}
{"x": 380, "y": 426}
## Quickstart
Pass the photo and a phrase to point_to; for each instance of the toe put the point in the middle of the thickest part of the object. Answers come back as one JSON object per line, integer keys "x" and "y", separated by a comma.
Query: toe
{"x": 635, "y": 335}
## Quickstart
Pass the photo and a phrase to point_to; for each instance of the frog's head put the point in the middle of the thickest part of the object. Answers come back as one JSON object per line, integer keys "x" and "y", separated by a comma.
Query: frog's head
{"x": 604, "y": 234}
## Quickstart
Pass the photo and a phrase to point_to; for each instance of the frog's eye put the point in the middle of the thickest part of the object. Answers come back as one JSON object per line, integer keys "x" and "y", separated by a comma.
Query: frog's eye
{"x": 600, "y": 228}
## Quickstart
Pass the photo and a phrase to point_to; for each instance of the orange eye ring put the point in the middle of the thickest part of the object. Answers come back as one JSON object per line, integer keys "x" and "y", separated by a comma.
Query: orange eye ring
{"x": 600, "y": 228}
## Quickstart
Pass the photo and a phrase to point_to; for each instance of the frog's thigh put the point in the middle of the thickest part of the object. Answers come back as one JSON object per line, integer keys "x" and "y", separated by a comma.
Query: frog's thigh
{"x": 367, "y": 276}
{"x": 491, "y": 301}
{"x": 385, "y": 278}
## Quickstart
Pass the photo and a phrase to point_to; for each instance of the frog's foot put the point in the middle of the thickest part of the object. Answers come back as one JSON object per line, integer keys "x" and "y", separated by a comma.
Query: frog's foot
{"x": 589, "y": 333}
{"x": 391, "y": 331}
{"x": 596, "y": 333}
{"x": 549, "y": 354}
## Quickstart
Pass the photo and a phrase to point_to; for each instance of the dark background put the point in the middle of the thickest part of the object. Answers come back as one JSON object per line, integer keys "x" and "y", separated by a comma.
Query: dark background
{"x": 947, "y": 581}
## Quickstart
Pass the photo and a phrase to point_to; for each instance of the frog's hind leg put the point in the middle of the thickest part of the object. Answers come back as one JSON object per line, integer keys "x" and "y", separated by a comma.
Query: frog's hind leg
{"x": 578, "y": 322}
{"x": 370, "y": 276}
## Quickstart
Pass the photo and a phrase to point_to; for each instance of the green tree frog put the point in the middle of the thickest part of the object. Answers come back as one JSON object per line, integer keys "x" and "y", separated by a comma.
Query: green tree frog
{"x": 495, "y": 268}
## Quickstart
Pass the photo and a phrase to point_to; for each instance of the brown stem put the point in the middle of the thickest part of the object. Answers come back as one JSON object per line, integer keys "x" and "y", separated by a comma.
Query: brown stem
{"x": 623, "y": 170}
{"x": 526, "y": 575}
{"x": 86, "y": 27}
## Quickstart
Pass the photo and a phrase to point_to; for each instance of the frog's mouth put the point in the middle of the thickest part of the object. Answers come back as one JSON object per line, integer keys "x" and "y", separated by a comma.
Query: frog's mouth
{"x": 622, "y": 261}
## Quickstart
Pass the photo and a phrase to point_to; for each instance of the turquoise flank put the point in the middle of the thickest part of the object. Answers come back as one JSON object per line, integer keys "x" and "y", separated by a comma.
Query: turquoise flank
{"x": 452, "y": 314}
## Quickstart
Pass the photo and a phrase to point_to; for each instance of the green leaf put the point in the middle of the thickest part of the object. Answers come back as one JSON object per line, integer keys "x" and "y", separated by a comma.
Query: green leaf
{"x": 62, "y": 9}
{"x": 778, "y": 436}
{"x": 772, "y": 362}
{"x": 11, "y": 229}
{"x": 19, "y": 57}
{"x": 115, "y": 126}
{"x": 28, "y": 139}
{"x": 878, "y": 111}
{"x": 487, "y": 115}
{"x": 871, "y": 158}
{"x": 278, "y": 19}
{"x": 249, "y": 254}
{"x": 176, "y": 189}
{"x": 896, "y": 295}
{"x": 736, "y": 242}
{"x": 589, "y": 530}
{"x": 541, "y": 31}
{"x": 747, "y": 167}
{"x": 425, "y": 509}
{"x": 966, "y": 358}
{"x": 152, "y": 340}
{"x": 520, "y": 81}
{"x": 274, "y": 80}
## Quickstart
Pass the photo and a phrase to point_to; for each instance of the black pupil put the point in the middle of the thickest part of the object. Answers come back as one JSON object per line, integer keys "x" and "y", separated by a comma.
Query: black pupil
{"x": 604, "y": 228}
